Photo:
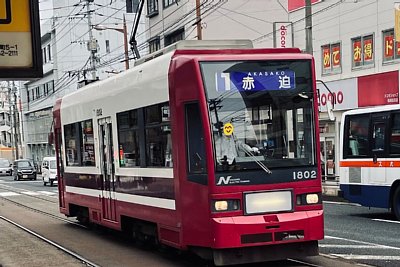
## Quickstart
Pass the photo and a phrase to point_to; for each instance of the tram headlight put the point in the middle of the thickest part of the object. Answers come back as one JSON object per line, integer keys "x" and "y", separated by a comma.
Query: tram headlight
{"x": 309, "y": 199}
{"x": 225, "y": 205}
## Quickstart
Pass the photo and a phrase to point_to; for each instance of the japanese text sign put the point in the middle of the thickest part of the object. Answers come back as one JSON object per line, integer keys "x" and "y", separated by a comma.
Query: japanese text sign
{"x": 256, "y": 80}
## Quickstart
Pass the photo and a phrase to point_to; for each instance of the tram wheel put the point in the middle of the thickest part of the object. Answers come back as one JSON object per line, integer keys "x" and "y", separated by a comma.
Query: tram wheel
{"x": 396, "y": 203}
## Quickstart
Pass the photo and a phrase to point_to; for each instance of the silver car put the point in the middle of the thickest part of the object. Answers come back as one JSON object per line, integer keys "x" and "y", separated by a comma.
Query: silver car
{"x": 5, "y": 167}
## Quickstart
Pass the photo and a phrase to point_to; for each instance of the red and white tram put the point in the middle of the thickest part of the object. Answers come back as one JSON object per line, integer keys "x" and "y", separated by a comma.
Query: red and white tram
{"x": 212, "y": 149}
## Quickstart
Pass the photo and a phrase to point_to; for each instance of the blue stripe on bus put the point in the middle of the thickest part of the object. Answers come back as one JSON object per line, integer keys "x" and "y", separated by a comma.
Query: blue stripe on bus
{"x": 367, "y": 195}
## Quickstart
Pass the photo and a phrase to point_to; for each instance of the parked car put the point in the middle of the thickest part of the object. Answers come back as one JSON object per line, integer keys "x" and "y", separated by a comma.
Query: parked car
{"x": 49, "y": 170}
{"x": 5, "y": 167}
{"x": 24, "y": 169}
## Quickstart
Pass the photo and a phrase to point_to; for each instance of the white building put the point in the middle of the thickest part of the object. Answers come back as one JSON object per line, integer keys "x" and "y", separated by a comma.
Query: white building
{"x": 68, "y": 30}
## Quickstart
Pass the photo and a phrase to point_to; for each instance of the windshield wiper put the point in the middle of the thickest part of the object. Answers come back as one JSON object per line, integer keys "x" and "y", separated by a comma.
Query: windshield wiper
{"x": 259, "y": 163}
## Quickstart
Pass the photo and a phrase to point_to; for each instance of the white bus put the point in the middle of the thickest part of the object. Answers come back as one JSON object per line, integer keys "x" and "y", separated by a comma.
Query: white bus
{"x": 370, "y": 157}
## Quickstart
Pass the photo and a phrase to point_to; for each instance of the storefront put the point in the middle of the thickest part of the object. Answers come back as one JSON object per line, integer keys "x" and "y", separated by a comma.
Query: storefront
{"x": 364, "y": 91}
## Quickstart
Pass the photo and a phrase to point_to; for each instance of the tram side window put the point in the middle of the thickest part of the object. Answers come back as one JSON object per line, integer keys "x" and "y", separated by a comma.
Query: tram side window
{"x": 395, "y": 135}
{"x": 128, "y": 138}
{"x": 357, "y": 139}
{"x": 158, "y": 136}
{"x": 79, "y": 144}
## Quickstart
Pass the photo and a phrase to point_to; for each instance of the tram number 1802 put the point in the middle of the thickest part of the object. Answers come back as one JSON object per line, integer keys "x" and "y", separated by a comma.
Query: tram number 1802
{"x": 304, "y": 175}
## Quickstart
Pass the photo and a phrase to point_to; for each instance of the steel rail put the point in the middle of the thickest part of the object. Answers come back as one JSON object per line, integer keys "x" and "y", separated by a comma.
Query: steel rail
{"x": 64, "y": 249}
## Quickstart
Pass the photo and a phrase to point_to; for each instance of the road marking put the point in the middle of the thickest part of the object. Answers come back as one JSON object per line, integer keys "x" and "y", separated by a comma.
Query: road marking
{"x": 47, "y": 192}
{"x": 8, "y": 194}
{"x": 350, "y": 246}
{"x": 389, "y": 221}
{"x": 362, "y": 242}
{"x": 368, "y": 257}
{"x": 30, "y": 193}
{"x": 342, "y": 203}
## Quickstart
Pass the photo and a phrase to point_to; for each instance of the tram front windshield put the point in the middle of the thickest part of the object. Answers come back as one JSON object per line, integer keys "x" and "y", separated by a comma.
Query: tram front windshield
{"x": 261, "y": 113}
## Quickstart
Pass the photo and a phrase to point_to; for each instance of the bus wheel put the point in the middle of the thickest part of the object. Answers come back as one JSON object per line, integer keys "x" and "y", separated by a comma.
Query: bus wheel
{"x": 396, "y": 203}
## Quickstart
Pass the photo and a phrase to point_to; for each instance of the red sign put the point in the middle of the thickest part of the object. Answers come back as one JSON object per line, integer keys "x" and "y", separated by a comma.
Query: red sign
{"x": 378, "y": 89}
{"x": 357, "y": 51}
{"x": 297, "y": 4}
{"x": 336, "y": 55}
{"x": 368, "y": 49}
{"x": 388, "y": 46}
{"x": 327, "y": 57}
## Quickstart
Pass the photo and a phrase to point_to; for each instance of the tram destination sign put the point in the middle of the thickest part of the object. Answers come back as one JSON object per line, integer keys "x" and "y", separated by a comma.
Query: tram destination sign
{"x": 20, "y": 45}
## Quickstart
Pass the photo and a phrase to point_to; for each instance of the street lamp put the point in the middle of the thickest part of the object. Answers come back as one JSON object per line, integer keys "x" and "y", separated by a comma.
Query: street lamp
{"x": 124, "y": 31}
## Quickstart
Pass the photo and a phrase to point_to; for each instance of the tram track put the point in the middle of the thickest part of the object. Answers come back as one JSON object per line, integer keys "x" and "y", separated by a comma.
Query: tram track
{"x": 52, "y": 243}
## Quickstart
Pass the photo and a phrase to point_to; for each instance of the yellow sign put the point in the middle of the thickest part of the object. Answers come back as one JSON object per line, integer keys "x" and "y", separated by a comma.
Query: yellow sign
{"x": 397, "y": 21}
{"x": 15, "y": 16}
{"x": 228, "y": 129}
{"x": 16, "y": 50}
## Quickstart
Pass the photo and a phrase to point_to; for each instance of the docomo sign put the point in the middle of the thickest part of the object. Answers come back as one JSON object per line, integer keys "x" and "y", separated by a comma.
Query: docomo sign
{"x": 283, "y": 34}
{"x": 334, "y": 98}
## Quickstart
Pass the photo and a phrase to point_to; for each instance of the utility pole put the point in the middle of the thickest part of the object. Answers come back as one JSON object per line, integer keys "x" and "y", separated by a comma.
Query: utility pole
{"x": 11, "y": 120}
{"x": 92, "y": 44}
{"x": 198, "y": 21}
{"x": 15, "y": 116}
{"x": 125, "y": 32}
{"x": 309, "y": 46}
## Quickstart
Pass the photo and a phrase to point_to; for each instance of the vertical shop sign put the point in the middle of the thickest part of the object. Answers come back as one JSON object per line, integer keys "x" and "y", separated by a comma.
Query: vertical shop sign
{"x": 397, "y": 21}
{"x": 327, "y": 57}
{"x": 368, "y": 49}
{"x": 389, "y": 46}
{"x": 336, "y": 62}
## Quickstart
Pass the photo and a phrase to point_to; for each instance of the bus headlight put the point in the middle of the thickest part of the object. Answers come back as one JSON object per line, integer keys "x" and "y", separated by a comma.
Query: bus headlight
{"x": 225, "y": 205}
{"x": 309, "y": 199}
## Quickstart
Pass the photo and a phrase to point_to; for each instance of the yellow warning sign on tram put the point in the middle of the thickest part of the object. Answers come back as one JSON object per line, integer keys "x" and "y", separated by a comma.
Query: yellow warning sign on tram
{"x": 20, "y": 49}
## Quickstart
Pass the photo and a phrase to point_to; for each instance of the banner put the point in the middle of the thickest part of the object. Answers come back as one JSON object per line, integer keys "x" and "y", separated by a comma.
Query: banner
{"x": 283, "y": 34}
{"x": 397, "y": 21}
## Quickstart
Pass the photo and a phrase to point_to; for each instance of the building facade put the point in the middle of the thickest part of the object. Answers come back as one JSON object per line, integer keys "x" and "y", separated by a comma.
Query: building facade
{"x": 357, "y": 57}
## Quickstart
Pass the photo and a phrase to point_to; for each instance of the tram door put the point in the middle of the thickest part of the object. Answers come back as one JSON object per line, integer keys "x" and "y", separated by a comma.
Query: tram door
{"x": 107, "y": 169}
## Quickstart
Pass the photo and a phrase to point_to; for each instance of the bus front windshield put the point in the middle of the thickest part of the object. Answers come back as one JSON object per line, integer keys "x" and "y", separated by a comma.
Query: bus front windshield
{"x": 261, "y": 113}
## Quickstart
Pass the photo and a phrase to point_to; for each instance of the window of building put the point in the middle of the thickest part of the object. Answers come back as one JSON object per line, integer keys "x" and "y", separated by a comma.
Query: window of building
{"x": 49, "y": 52}
{"x": 44, "y": 55}
{"x": 107, "y": 46}
{"x": 152, "y": 8}
{"x": 167, "y": 3}
{"x": 391, "y": 48}
{"x": 362, "y": 51}
{"x": 174, "y": 37}
{"x": 331, "y": 58}
{"x": 154, "y": 44}
{"x": 132, "y": 6}
{"x": 79, "y": 144}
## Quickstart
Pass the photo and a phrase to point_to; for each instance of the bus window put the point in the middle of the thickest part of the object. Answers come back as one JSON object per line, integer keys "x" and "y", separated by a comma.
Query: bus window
{"x": 357, "y": 139}
{"x": 395, "y": 135}
{"x": 378, "y": 136}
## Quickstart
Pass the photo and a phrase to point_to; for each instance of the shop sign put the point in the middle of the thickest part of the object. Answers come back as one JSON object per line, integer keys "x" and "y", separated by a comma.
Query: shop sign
{"x": 378, "y": 89}
{"x": 283, "y": 34}
{"x": 343, "y": 94}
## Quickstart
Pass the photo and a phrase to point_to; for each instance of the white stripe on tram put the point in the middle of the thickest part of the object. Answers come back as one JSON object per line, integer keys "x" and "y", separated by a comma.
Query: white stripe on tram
{"x": 136, "y": 199}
